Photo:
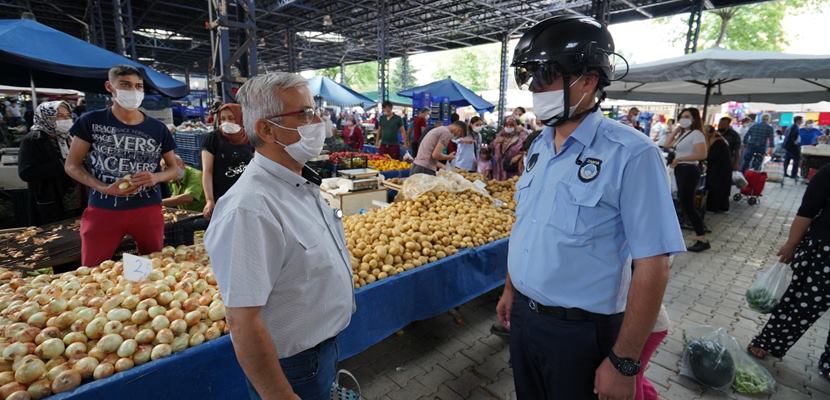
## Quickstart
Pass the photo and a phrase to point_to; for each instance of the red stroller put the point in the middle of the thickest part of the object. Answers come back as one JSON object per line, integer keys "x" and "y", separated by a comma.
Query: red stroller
{"x": 754, "y": 188}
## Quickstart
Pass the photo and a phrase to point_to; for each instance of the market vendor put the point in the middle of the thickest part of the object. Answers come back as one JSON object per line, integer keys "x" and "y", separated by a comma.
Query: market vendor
{"x": 53, "y": 195}
{"x": 431, "y": 154}
{"x": 578, "y": 316}
{"x": 225, "y": 154}
{"x": 186, "y": 190}
{"x": 278, "y": 250}
{"x": 418, "y": 130}
{"x": 386, "y": 137}
{"x": 122, "y": 147}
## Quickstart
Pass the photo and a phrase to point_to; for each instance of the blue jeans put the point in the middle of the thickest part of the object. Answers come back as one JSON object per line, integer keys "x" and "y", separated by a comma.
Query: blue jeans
{"x": 310, "y": 373}
{"x": 749, "y": 157}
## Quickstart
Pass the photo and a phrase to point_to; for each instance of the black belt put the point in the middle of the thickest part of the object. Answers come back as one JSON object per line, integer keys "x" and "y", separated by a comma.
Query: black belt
{"x": 567, "y": 314}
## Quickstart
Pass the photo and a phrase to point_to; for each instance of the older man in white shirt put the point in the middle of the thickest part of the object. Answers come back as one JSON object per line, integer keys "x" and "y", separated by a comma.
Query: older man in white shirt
{"x": 279, "y": 252}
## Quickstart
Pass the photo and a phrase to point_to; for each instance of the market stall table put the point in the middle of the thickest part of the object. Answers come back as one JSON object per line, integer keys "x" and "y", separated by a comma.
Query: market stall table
{"x": 59, "y": 243}
{"x": 211, "y": 371}
{"x": 814, "y": 157}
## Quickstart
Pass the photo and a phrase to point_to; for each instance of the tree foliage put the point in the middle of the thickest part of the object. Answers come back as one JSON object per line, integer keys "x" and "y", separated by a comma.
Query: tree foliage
{"x": 471, "y": 67}
{"x": 361, "y": 77}
{"x": 396, "y": 75}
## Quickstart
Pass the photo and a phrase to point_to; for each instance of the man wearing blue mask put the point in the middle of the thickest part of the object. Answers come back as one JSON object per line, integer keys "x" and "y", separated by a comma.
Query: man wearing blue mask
{"x": 593, "y": 200}
{"x": 279, "y": 251}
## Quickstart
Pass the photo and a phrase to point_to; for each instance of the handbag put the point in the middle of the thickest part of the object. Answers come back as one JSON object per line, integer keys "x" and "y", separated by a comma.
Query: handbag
{"x": 509, "y": 167}
{"x": 341, "y": 393}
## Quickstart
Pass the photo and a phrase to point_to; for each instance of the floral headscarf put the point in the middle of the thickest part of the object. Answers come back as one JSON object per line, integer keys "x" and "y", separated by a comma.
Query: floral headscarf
{"x": 44, "y": 123}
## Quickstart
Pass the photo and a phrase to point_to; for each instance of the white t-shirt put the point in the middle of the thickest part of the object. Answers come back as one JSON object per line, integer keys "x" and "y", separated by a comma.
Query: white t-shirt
{"x": 686, "y": 146}
{"x": 663, "y": 323}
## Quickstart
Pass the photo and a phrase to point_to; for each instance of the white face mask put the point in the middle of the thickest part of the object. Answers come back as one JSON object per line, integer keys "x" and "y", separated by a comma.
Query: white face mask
{"x": 129, "y": 99}
{"x": 550, "y": 106}
{"x": 809, "y": 126}
{"x": 685, "y": 123}
{"x": 329, "y": 127}
{"x": 181, "y": 174}
{"x": 63, "y": 125}
{"x": 477, "y": 129}
{"x": 230, "y": 128}
{"x": 509, "y": 129}
{"x": 310, "y": 144}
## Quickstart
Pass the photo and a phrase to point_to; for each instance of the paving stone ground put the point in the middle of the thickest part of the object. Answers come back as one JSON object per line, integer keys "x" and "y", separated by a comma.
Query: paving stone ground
{"x": 439, "y": 359}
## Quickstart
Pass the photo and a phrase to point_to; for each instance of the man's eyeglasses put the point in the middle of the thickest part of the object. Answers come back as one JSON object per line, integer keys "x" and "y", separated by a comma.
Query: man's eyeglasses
{"x": 306, "y": 115}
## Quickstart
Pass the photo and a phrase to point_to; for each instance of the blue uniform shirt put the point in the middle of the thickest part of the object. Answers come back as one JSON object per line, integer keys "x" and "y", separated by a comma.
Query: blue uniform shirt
{"x": 582, "y": 215}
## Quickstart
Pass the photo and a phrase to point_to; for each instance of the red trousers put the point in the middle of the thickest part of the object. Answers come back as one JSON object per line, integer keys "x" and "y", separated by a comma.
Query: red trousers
{"x": 645, "y": 391}
{"x": 393, "y": 150}
{"x": 102, "y": 231}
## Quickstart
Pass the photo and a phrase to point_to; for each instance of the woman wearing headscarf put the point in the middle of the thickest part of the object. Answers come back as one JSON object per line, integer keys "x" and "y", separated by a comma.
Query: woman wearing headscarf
{"x": 352, "y": 133}
{"x": 507, "y": 150}
{"x": 225, "y": 154}
{"x": 718, "y": 172}
{"x": 53, "y": 195}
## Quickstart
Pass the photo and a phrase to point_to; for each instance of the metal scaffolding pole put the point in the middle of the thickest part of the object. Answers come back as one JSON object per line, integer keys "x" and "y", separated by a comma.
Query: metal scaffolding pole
{"x": 222, "y": 60}
{"x": 503, "y": 69}
{"x": 292, "y": 51}
{"x": 383, "y": 90}
{"x": 118, "y": 20}
{"x": 600, "y": 10}
{"x": 218, "y": 13}
{"x": 130, "y": 29}
{"x": 405, "y": 70}
{"x": 100, "y": 16}
{"x": 693, "y": 34}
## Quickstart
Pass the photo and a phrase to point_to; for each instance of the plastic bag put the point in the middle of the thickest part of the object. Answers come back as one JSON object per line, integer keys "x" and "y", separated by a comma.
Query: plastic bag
{"x": 443, "y": 181}
{"x": 672, "y": 180}
{"x": 768, "y": 288}
{"x": 750, "y": 377}
{"x": 708, "y": 357}
{"x": 739, "y": 180}
{"x": 716, "y": 359}
{"x": 408, "y": 157}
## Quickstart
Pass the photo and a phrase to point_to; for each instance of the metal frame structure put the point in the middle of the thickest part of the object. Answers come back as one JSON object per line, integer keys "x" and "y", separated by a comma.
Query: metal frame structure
{"x": 309, "y": 34}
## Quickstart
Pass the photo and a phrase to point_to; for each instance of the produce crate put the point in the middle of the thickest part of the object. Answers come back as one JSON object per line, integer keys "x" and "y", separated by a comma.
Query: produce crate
{"x": 191, "y": 140}
{"x": 190, "y": 157}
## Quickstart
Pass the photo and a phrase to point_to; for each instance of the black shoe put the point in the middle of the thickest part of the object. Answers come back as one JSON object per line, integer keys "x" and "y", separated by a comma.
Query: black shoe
{"x": 699, "y": 246}
{"x": 499, "y": 330}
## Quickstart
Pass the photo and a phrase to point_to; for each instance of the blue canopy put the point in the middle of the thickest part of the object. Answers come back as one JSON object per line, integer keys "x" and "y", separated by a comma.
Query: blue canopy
{"x": 30, "y": 50}
{"x": 335, "y": 93}
{"x": 458, "y": 95}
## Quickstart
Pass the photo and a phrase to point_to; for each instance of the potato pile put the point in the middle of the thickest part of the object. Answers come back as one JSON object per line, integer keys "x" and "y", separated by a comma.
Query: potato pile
{"x": 411, "y": 233}
{"x": 59, "y": 330}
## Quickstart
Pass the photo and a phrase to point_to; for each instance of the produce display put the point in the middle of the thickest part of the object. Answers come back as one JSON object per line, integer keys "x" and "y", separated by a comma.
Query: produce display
{"x": 751, "y": 378}
{"x": 338, "y": 157}
{"x": 194, "y": 126}
{"x": 388, "y": 164}
{"x": 411, "y": 233}
{"x": 711, "y": 363}
{"x": 58, "y": 331}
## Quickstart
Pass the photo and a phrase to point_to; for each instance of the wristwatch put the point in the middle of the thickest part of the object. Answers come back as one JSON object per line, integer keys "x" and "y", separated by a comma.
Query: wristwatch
{"x": 626, "y": 366}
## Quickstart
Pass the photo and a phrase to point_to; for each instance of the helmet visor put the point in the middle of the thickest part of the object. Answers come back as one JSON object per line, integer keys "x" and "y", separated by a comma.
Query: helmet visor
{"x": 534, "y": 76}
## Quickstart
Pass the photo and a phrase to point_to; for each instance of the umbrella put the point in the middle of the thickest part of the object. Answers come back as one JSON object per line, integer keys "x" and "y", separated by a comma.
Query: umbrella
{"x": 719, "y": 75}
{"x": 31, "y": 52}
{"x": 394, "y": 98}
{"x": 457, "y": 94}
{"x": 335, "y": 93}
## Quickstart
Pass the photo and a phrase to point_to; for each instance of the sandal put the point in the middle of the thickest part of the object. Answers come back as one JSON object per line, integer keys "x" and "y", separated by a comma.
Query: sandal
{"x": 758, "y": 352}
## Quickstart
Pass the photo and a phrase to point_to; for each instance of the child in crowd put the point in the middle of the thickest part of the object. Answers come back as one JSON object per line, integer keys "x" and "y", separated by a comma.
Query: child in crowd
{"x": 485, "y": 165}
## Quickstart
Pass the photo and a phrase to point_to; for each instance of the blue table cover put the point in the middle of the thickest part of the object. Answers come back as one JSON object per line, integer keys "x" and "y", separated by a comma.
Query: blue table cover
{"x": 211, "y": 371}
{"x": 400, "y": 173}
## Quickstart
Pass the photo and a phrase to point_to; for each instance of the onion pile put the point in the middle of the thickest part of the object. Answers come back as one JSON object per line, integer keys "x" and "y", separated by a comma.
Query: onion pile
{"x": 411, "y": 233}
{"x": 58, "y": 330}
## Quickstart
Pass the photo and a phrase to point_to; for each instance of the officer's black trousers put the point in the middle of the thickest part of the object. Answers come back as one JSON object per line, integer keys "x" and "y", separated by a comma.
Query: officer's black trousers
{"x": 555, "y": 359}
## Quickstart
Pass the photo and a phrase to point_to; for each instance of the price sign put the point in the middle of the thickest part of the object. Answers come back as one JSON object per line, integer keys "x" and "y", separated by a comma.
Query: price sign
{"x": 137, "y": 268}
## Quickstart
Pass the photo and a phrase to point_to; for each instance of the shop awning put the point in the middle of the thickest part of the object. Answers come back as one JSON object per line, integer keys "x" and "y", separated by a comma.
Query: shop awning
{"x": 335, "y": 93}
{"x": 458, "y": 95}
{"x": 33, "y": 51}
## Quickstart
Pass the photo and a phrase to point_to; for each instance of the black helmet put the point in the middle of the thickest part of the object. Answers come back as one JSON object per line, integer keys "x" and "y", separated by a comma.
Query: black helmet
{"x": 564, "y": 44}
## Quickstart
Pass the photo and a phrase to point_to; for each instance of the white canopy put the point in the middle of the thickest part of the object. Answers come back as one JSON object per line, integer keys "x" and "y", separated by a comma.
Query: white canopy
{"x": 728, "y": 75}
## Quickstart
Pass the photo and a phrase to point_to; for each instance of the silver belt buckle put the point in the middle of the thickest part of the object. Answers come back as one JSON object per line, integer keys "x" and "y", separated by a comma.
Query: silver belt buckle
{"x": 532, "y": 304}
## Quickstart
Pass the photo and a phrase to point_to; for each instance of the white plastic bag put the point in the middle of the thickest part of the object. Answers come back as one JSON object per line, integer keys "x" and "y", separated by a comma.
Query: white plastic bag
{"x": 408, "y": 157}
{"x": 672, "y": 180}
{"x": 739, "y": 180}
{"x": 768, "y": 288}
{"x": 444, "y": 181}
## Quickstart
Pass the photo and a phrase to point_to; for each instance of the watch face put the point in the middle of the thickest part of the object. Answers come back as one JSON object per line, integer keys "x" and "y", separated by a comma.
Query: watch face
{"x": 629, "y": 368}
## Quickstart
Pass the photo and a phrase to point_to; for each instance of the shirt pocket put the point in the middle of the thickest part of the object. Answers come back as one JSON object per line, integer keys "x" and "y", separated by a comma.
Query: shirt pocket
{"x": 522, "y": 189}
{"x": 574, "y": 207}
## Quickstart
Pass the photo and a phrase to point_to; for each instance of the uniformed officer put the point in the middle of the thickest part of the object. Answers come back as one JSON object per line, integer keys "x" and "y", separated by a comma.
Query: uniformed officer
{"x": 593, "y": 199}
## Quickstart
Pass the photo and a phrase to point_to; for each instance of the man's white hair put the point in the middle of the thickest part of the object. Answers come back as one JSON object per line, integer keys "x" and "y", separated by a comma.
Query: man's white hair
{"x": 258, "y": 98}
